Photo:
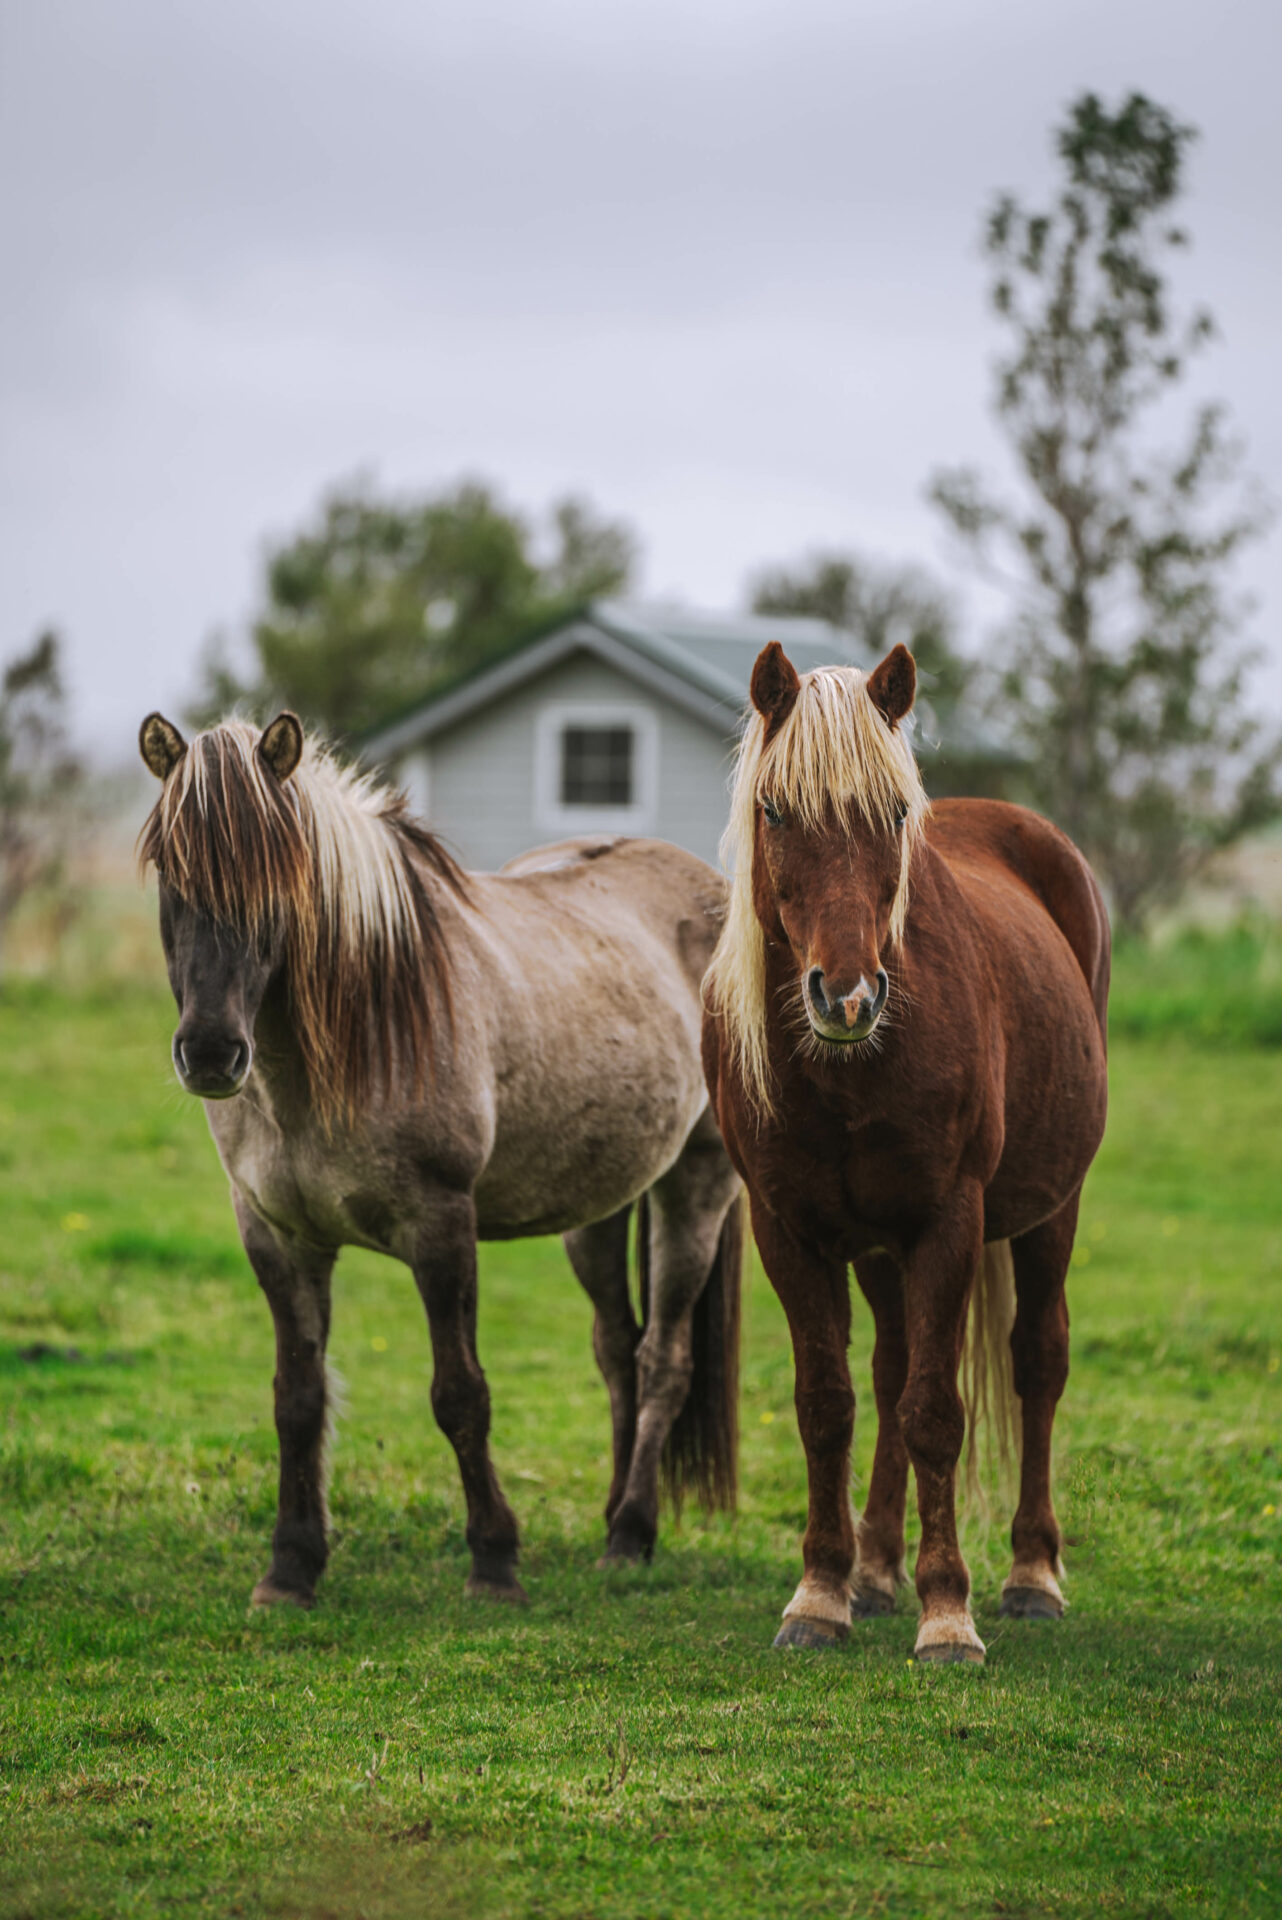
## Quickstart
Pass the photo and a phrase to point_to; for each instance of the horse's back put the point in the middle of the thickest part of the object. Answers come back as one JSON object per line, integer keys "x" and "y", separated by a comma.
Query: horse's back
{"x": 625, "y": 886}
{"x": 584, "y": 962}
{"x": 1014, "y": 850}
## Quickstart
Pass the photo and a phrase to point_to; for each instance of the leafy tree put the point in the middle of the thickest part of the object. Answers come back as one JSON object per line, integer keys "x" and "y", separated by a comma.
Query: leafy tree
{"x": 1120, "y": 669}
{"x": 380, "y": 601}
{"x": 38, "y": 776}
{"x": 879, "y": 606}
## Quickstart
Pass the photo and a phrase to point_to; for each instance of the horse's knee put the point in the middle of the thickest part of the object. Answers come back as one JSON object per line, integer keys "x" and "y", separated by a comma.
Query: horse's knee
{"x": 1041, "y": 1376}
{"x": 932, "y": 1422}
{"x": 1039, "y": 1361}
{"x": 461, "y": 1403}
{"x": 615, "y": 1347}
{"x": 300, "y": 1405}
{"x": 826, "y": 1417}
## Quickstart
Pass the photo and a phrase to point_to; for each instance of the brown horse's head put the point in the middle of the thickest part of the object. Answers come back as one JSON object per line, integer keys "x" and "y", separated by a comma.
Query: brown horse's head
{"x": 828, "y": 804}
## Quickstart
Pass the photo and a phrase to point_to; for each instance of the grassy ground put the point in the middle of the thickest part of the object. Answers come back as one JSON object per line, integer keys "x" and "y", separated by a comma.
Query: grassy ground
{"x": 628, "y": 1745}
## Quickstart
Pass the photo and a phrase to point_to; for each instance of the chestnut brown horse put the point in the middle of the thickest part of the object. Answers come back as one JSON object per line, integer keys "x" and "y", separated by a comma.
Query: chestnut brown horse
{"x": 397, "y": 1055}
{"x": 904, "y": 1043}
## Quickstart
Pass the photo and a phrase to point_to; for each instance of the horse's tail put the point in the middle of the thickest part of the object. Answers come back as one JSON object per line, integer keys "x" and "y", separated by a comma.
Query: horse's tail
{"x": 702, "y": 1449}
{"x": 987, "y": 1370}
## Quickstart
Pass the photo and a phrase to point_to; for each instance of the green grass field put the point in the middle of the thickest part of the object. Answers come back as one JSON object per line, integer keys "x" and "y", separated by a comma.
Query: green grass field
{"x": 629, "y": 1744}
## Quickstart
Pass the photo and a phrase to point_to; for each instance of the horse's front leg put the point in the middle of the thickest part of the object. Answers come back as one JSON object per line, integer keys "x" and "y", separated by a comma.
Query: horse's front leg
{"x": 296, "y": 1282}
{"x": 938, "y": 1273}
{"x": 445, "y": 1270}
{"x": 815, "y": 1294}
{"x": 879, "y": 1569}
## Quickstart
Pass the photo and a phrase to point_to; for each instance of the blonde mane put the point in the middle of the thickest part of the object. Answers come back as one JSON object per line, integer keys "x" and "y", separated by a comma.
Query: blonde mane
{"x": 835, "y": 748}
{"x": 338, "y": 865}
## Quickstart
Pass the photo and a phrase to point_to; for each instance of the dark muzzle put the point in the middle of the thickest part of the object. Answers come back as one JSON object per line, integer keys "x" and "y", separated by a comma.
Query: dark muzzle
{"x": 211, "y": 1063}
{"x": 844, "y": 1014}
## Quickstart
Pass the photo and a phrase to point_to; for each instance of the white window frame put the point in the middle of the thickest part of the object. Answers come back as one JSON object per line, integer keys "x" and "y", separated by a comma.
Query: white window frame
{"x": 554, "y": 815}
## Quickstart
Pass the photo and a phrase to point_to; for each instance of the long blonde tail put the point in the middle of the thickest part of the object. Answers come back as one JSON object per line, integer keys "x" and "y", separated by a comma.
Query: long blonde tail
{"x": 987, "y": 1371}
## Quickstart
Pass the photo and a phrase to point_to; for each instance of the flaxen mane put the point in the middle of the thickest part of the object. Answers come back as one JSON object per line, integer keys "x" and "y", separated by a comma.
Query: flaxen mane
{"x": 336, "y": 865}
{"x": 834, "y": 749}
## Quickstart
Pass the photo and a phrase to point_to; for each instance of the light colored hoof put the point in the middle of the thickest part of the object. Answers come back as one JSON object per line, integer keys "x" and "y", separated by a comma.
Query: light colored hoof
{"x": 509, "y": 1590}
{"x": 819, "y": 1635}
{"x": 1033, "y": 1593}
{"x": 268, "y": 1594}
{"x": 949, "y": 1639}
{"x": 1031, "y": 1603}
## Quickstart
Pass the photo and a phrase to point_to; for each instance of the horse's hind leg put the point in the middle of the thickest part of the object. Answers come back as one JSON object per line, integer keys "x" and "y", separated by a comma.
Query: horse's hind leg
{"x": 688, "y": 1209}
{"x": 297, "y": 1287}
{"x": 1039, "y": 1346}
{"x": 879, "y": 1562}
{"x": 599, "y": 1256}
{"x": 445, "y": 1272}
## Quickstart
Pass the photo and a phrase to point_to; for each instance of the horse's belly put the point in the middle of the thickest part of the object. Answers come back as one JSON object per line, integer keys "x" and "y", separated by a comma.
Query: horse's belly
{"x": 588, "y": 1148}
{"x": 1054, "y": 1125}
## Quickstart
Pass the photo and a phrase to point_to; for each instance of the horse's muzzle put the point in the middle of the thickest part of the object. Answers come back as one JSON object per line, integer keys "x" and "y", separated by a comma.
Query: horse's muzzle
{"x": 842, "y": 1018}
{"x": 213, "y": 1068}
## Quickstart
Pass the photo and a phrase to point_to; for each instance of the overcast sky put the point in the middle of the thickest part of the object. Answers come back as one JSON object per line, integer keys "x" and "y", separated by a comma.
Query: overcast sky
{"x": 711, "y": 262}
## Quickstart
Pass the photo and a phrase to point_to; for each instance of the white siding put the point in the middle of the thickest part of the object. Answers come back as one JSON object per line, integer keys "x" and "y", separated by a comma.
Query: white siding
{"x": 483, "y": 772}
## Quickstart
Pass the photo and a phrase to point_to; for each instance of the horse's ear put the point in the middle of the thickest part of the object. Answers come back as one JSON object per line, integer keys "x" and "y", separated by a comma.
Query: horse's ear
{"x": 282, "y": 744}
{"x": 160, "y": 744}
{"x": 775, "y": 687}
{"x": 892, "y": 686}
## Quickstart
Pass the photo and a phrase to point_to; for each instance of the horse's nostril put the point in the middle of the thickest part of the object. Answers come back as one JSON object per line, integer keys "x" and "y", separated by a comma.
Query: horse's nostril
{"x": 209, "y": 1058}
{"x": 815, "y": 988}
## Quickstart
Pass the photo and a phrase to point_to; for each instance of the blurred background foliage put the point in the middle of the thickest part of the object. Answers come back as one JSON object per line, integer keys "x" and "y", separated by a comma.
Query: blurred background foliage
{"x": 1118, "y": 665}
{"x": 379, "y": 601}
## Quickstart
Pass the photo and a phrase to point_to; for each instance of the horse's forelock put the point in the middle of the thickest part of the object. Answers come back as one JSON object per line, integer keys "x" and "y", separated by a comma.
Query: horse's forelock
{"x": 833, "y": 748}
{"x": 226, "y": 835}
{"x": 333, "y": 859}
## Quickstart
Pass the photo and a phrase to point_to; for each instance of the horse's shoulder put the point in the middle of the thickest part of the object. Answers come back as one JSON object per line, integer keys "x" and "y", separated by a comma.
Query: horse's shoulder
{"x": 993, "y": 847}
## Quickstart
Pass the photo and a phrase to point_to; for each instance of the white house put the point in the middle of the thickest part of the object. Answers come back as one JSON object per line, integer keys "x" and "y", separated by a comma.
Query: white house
{"x": 624, "y": 720}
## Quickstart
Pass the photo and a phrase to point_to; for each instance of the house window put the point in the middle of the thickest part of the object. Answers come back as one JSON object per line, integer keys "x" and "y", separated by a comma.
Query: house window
{"x": 596, "y": 766}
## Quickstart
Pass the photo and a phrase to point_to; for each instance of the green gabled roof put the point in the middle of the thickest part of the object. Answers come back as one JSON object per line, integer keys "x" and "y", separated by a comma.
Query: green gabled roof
{"x": 701, "y": 663}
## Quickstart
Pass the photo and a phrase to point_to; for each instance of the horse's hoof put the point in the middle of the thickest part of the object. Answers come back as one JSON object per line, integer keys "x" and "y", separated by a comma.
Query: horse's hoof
{"x": 268, "y": 1594}
{"x": 956, "y": 1653}
{"x": 819, "y": 1634}
{"x": 1031, "y": 1603}
{"x": 480, "y": 1588}
{"x": 870, "y": 1603}
{"x": 949, "y": 1639}
{"x": 624, "y": 1555}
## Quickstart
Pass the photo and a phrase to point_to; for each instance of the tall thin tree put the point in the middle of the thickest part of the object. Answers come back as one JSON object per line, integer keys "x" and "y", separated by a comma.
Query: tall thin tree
{"x": 1122, "y": 668}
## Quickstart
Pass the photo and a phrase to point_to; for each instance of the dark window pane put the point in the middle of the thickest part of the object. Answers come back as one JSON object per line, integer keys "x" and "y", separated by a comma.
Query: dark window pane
{"x": 596, "y": 767}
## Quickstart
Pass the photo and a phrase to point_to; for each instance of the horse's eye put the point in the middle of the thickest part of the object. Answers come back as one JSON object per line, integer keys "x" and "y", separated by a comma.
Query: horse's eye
{"x": 773, "y": 816}
{"x": 901, "y": 813}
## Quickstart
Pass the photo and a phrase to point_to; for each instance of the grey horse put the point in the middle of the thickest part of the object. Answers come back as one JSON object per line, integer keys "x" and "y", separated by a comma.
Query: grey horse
{"x": 397, "y": 1055}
